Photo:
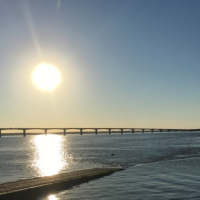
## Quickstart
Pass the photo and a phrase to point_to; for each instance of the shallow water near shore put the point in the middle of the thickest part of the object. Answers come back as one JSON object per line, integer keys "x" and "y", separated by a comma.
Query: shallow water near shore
{"x": 158, "y": 165}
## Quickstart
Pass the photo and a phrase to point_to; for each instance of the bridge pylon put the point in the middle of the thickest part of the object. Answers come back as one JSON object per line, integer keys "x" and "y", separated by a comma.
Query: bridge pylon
{"x": 24, "y": 132}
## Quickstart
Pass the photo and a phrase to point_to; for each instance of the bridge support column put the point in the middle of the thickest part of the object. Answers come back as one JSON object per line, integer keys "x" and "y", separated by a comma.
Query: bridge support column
{"x": 45, "y": 131}
{"x": 81, "y": 131}
{"x": 109, "y": 130}
{"x": 64, "y": 130}
{"x": 161, "y": 130}
{"x": 152, "y": 130}
{"x": 133, "y": 130}
{"x": 96, "y": 131}
{"x": 122, "y": 130}
{"x": 24, "y": 132}
{"x": 142, "y": 130}
{"x": 0, "y": 132}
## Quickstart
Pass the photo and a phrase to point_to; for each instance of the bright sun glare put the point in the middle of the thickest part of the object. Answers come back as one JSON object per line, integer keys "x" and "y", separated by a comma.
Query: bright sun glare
{"x": 46, "y": 77}
{"x": 49, "y": 157}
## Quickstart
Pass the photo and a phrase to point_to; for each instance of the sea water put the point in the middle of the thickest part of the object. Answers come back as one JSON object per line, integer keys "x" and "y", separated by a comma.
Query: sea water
{"x": 157, "y": 165}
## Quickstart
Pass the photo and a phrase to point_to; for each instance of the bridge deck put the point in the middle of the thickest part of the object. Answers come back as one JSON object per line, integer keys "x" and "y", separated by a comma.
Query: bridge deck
{"x": 82, "y": 131}
{"x": 32, "y": 188}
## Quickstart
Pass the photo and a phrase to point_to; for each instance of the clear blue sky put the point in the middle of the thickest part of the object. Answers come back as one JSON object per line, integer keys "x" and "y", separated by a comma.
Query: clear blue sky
{"x": 124, "y": 63}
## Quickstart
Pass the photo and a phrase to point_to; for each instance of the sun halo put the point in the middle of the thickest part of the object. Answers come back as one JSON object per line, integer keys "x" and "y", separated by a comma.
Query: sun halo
{"x": 46, "y": 77}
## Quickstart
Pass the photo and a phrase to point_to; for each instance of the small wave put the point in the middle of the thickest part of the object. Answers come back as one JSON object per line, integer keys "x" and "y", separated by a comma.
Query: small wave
{"x": 166, "y": 159}
{"x": 183, "y": 156}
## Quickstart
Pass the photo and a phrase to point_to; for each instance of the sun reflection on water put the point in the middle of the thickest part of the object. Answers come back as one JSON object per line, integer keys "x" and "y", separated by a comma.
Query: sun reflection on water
{"x": 52, "y": 197}
{"x": 49, "y": 157}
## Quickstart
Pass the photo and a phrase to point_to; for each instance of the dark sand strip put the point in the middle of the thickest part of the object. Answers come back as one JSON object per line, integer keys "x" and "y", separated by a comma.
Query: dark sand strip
{"x": 36, "y": 187}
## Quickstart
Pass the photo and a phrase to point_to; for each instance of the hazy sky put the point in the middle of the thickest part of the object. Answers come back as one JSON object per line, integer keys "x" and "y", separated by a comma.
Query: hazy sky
{"x": 124, "y": 63}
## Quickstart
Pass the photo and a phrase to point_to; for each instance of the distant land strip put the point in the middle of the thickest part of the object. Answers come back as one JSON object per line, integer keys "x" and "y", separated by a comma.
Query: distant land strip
{"x": 31, "y": 131}
{"x": 41, "y": 186}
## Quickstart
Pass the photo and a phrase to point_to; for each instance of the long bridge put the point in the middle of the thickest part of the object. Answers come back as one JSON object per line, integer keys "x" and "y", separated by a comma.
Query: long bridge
{"x": 92, "y": 130}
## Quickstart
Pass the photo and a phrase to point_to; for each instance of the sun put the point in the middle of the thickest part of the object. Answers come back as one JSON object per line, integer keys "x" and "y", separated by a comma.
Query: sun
{"x": 46, "y": 77}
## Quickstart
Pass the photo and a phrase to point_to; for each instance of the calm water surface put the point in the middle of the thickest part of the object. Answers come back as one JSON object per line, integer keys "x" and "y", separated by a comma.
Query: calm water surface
{"x": 158, "y": 166}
